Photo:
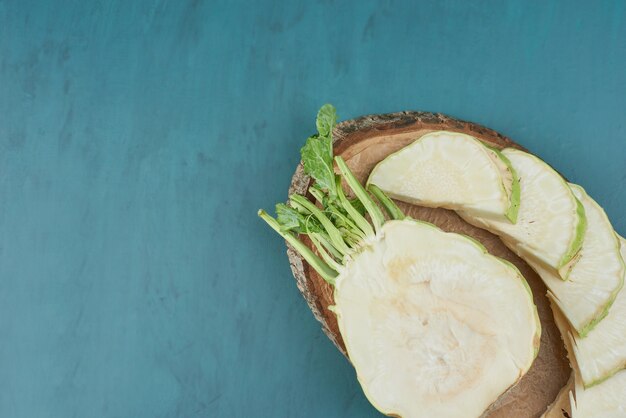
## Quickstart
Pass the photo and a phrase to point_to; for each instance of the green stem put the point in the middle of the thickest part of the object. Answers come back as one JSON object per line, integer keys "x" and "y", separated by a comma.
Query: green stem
{"x": 378, "y": 219}
{"x": 322, "y": 268}
{"x": 317, "y": 194}
{"x": 325, "y": 240}
{"x": 333, "y": 232}
{"x": 358, "y": 219}
{"x": 322, "y": 249}
{"x": 334, "y": 212}
{"x": 350, "y": 226}
{"x": 351, "y": 238}
{"x": 392, "y": 209}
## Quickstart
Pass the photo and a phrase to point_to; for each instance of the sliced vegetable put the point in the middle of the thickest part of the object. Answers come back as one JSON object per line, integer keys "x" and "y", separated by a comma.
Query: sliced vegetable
{"x": 597, "y": 277}
{"x": 606, "y": 399}
{"x": 433, "y": 324}
{"x": 602, "y": 352}
{"x": 551, "y": 222}
{"x": 451, "y": 170}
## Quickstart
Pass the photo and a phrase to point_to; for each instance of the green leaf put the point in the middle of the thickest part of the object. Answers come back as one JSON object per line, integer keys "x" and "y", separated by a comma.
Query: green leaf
{"x": 317, "y": 159}
{"x": 312, "y": 225}
{"x": 317, "y": 153}
{"x": 289, "y": 219}
{"x": 326, "y": 120}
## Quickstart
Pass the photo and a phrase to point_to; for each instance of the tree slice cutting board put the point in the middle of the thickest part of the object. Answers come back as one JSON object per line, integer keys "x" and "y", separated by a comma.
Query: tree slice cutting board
{"x": 365, "y": 141}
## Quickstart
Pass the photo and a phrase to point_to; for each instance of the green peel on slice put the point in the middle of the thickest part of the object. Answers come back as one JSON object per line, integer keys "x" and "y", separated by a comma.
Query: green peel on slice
{"x": 551, "y": 222}
{"x": 606, "y": 398}
{"x": 602, "y": 353}
{"x": 454, "y": 171}
{"x": 433, "y": 324}
{"x": 597, "y": 277}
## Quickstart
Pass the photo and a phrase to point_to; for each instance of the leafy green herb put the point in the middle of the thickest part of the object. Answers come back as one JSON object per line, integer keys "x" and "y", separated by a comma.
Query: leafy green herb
{"x": 300, "y": 222}
{"x": 326, "y": 120}
{"x": 339, "y": 227}
{"x": 289, "y": 218}
{"x": 317, "y": 153}
{"x": 318, "y": 163}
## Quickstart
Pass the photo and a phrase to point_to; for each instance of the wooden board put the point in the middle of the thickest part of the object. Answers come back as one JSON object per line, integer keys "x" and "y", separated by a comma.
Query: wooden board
{"x": 365, "y": 141}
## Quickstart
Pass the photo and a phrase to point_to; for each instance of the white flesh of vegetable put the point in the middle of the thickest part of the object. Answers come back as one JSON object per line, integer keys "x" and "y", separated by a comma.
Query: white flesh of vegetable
{"x": 606, "y": 399}
{"x": 433, "y": 324}
{"x": 551, "y": 223}
{"x": 596, "y": 278}
{"x": 602, "y": 352}
{"x": 451, "y": 170}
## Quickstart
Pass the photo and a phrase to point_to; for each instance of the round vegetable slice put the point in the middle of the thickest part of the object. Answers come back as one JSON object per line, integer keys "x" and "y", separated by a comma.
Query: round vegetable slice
{"x": 451, "y": 170}
{"x": 551, "y": 222}
{"x": 596, "y": 278}
{"x": 433, "y": 324}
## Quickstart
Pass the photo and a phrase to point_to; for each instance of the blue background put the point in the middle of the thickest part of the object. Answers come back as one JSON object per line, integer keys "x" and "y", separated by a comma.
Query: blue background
{"x": 138, "y": 139}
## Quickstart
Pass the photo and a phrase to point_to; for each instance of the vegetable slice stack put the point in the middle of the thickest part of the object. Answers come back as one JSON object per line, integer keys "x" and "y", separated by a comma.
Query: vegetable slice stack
{"x": 511, "y": 193}
{"x": 569, "y": 241}
{"x": 433, "y": 324}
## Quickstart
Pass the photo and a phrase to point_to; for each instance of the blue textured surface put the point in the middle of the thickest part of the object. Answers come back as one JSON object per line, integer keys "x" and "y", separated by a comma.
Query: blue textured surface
{"x": 138, "y": 138}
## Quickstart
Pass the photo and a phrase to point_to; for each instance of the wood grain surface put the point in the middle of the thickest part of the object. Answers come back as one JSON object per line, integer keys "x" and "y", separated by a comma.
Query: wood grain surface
{"x": 364, "y": 142}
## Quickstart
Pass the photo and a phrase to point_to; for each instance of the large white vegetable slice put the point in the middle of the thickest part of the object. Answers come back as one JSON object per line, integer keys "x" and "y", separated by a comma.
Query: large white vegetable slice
{"x": 596, "y": 278}
{"x": 451, "y": 170}
{"x": 606, "y": 399}
{"x": 551, "y": 222}
{"x": 602, "y": 352}
{"x": 433, "y": 324}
